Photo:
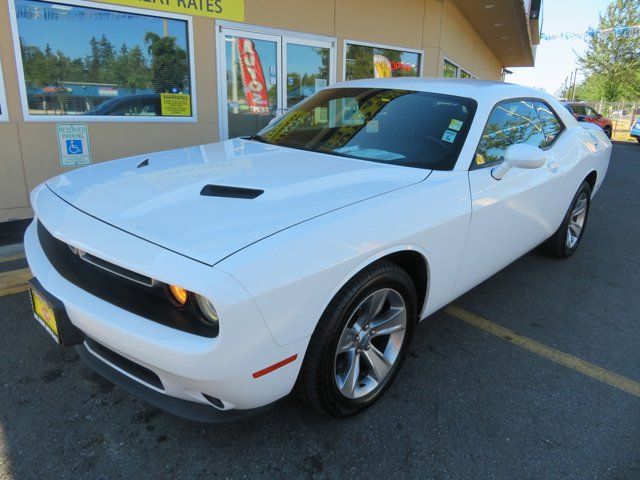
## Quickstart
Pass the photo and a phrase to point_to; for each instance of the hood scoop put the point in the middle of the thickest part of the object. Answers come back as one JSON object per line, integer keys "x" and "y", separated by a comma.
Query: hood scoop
{"x": 230, "y": 192}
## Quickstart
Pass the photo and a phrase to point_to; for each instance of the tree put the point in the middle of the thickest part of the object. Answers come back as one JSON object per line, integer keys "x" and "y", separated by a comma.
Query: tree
{"x": 169, "y": 67}
{"x": 612, "y": 59}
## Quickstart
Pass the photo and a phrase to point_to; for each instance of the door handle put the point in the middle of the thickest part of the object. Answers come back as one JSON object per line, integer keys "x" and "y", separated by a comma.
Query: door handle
{"x": 553, "y": 166}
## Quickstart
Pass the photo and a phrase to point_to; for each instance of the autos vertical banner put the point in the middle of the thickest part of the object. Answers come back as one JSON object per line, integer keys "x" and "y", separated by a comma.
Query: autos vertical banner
{"x": 255, "y": 86}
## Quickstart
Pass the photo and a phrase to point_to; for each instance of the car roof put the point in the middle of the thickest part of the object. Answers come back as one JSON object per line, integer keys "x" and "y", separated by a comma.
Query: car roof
{"x": 450, "y": 86}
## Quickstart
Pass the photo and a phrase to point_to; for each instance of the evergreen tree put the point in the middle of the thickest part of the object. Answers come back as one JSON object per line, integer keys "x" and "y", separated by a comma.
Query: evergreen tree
{"x": 169, "y": 66}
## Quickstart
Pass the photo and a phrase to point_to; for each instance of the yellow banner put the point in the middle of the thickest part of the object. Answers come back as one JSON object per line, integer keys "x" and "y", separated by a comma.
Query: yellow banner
{"x": 226, "y": 9}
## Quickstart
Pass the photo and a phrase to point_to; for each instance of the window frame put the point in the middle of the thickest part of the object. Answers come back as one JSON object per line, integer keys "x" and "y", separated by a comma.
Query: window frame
{"x": 223, "y": 27}
{"x": 22, "y": 85}
{"x": 475, "y": 166}
{"x": 4, "y": 110}
{"x": 359, "y": 43}
{"x": 460, "y": 68}
{"x": 446, "y": 60}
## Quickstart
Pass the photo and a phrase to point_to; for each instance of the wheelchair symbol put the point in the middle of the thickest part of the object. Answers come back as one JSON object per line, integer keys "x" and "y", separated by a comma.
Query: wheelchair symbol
{"x": 74, "y": 147}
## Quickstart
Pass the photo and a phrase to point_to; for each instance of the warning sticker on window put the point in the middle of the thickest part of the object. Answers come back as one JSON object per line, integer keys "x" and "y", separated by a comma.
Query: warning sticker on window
{"x": 449, "y": 136}
{"x": 455, "y": 124}
{"x": 175, "y": 104}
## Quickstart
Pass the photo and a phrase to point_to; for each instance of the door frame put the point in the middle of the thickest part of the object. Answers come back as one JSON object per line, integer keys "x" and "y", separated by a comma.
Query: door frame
{"x": 281, "y": 37}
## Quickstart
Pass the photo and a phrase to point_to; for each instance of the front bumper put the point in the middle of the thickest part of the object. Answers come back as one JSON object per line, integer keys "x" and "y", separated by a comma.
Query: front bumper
{"x": 635, "y": 132}
{"x": 190, "y": 367}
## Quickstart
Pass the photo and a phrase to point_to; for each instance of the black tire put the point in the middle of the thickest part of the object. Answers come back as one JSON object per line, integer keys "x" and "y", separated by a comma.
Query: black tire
{"x": 557, "y": 246}
{"x": 316, "y": 383}
{"x": 607, "y": 131}
{"x": 638, "y": 139}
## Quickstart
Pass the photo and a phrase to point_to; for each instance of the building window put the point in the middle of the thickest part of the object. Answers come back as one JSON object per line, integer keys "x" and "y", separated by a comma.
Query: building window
{"x": 464, "y": 74}
{"x": 450, "y": 70}
{"x": 4, "y": 115}
{"x": 365, "y": 60}
{"x": 102, "y": 63}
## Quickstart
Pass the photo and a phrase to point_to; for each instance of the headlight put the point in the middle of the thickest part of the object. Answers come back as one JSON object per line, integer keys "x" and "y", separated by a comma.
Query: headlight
{"x": 208, "y": 311}
{"x": 180, "y": 295}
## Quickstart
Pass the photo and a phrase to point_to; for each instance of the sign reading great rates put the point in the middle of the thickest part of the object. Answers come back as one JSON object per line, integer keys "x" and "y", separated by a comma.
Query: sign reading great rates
{"x": 226, "y": 9}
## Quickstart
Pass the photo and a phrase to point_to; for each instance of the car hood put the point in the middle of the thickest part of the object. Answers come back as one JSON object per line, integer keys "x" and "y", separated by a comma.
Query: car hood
{"x": 159, "y": 197}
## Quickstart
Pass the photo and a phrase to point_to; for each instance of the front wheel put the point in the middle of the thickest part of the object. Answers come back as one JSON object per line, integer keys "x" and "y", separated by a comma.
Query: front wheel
{"x": 607, "y": 131}
{"x": 565, "y": 241}
{"x": 360, "y": 341}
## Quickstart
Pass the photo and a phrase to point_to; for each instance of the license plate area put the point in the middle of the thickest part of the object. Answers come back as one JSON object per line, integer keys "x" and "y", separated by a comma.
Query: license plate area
{"x": 52, "y": 315}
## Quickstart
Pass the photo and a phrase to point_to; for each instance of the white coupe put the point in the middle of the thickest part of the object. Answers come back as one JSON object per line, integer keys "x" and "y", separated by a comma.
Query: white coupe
{"x": 212, "y": 280}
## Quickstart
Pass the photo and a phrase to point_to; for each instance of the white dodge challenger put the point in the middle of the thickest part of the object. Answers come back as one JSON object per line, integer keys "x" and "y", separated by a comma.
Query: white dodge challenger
{"x": 212, "y": 280}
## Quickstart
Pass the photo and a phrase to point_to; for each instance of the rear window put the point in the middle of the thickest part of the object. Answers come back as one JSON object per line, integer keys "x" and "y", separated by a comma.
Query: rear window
{"x": 401, "y": 127}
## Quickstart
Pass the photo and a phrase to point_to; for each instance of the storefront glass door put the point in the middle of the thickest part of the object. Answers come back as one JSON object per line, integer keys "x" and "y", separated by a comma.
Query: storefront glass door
{"x": 266, "y": 74}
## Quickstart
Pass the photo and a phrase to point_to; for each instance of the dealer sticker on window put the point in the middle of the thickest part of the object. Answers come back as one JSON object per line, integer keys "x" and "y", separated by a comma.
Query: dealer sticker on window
{"x": 455, "y": 124}
{"x": 449, "y": 136}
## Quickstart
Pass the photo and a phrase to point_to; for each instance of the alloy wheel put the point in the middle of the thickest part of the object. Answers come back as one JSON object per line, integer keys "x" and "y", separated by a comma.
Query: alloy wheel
{"x": 370, "y": 343}
{"x": 576, "y": 220}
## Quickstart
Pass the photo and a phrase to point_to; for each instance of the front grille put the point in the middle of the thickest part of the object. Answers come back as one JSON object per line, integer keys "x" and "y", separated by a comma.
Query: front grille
{"x": 150, "y": 303}
{"x": 132, "y": 368}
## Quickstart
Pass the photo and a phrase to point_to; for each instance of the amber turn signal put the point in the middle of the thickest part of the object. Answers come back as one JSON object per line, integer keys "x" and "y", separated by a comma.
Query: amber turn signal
{"x": 180, "y": 295}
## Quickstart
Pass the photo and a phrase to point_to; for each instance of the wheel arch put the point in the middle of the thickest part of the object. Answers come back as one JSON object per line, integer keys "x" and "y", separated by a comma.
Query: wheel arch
{"x": 410, "y": 258}
{"x": 591, "y": 179}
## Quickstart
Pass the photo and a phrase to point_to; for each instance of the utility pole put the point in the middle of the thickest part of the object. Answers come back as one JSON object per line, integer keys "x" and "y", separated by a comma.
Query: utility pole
{"x": 575, "y": 77}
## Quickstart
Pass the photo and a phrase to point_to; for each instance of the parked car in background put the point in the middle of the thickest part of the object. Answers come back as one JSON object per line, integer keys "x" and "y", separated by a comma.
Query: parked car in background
{"x": 635, "y": 130}
{"x": 146, "y": 104}
{"x": 211, "y": 280}
{"x": 585, "y": 113}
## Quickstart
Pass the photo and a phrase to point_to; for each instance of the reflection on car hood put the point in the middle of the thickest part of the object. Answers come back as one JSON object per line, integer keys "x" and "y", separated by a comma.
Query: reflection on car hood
{"x": 161, "y": 200}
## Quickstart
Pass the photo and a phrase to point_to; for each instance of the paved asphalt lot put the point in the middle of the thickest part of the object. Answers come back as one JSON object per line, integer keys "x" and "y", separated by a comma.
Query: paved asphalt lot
{"x": 466, "y": 405}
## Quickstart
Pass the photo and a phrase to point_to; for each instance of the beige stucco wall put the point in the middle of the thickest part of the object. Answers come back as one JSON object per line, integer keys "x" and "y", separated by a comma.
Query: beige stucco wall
{"x": 28, "y": 150}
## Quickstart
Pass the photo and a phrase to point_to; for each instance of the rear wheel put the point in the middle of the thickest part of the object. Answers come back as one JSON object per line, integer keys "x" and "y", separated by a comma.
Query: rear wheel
{"x": 567, "y": 238}
{"x": 360, "y": 342}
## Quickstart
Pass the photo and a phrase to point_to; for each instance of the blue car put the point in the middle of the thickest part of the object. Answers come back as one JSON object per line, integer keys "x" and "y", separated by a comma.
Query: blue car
{"x": 635, "y": 130}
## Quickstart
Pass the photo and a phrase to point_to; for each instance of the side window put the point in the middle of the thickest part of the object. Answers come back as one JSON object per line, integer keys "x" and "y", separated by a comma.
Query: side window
{"x": 510, "y": 123}
{"x": 591, "y": 113}
{"x": 551, "y": 124}
{"x": 578, "y": 110}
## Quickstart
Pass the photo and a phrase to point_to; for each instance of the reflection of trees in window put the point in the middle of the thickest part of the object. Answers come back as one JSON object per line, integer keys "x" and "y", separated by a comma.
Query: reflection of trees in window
{"x": 509, "y": 128}
{"x": 128, "y": 69}
{"x": 167, "y": 68}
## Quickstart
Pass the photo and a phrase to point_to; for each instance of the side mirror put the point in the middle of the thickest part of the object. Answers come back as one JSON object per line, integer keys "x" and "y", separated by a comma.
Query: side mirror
{"x": 581, "y": 118}
{"x": 519, "y": 156}
{"x": 598, "y": 116}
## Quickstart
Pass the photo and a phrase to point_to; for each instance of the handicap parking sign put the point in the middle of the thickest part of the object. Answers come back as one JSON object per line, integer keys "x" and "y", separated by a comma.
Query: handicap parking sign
{"x": 73, "y": 144}
{"x": 74, "y": 147}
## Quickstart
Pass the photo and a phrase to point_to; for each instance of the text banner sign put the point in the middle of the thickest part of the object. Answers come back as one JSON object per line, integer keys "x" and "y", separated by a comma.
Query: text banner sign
{"x": 224, "y": 9}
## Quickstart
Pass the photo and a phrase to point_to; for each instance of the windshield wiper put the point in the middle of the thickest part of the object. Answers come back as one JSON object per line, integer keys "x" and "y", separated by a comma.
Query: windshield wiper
{"x": 257, "y": 138}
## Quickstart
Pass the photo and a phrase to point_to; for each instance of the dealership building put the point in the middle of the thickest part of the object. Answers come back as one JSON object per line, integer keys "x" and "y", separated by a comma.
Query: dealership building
{"x": 83, "y": 82}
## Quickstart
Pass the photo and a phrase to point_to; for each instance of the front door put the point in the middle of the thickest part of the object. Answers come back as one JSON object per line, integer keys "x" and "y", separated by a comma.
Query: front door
{"x": 264, "y": 74}
{"x": 512, "y": 215}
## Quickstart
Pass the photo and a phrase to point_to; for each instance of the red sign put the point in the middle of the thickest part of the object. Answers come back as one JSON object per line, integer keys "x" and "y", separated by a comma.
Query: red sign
{"x": 401, "y": 66}
{"x": 255, "y": 86}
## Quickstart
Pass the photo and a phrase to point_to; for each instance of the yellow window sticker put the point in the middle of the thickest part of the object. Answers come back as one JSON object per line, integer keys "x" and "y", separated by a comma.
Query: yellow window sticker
{"x": 175, "y": 104}
{"x": 480, "y": 159}
{"x": 455, "y": 124}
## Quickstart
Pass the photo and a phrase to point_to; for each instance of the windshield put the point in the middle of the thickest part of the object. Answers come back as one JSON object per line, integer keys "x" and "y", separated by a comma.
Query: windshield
{"x": 401, "y": 127}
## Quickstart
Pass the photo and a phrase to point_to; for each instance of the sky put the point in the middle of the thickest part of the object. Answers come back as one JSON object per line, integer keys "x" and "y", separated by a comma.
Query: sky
{"x": 71, "y": 33}
{"x": 555, "y": 59}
